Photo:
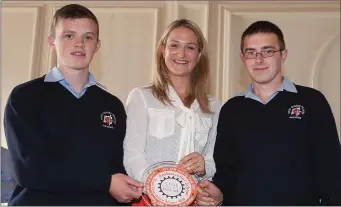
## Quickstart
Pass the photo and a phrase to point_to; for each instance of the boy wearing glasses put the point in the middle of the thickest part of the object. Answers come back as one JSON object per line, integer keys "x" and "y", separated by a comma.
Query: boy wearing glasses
{"x": 277, "y": 143}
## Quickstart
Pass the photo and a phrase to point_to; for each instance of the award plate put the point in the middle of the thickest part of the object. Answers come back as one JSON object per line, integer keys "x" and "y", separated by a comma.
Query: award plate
{"x": 167, "y": 184}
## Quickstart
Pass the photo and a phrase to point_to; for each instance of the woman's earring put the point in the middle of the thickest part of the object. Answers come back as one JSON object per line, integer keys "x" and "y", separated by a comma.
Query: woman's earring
{"x": 199, "y": 56}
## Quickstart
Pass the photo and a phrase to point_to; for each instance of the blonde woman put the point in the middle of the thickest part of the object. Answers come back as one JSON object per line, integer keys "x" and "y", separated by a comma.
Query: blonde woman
{"x": 174, "y": 119}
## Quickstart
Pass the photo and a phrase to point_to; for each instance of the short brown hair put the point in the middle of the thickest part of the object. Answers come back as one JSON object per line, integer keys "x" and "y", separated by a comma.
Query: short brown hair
{"x": 263, "y": 27}
{"x": 199, "y": 75}
{"x": 72, "y": 11}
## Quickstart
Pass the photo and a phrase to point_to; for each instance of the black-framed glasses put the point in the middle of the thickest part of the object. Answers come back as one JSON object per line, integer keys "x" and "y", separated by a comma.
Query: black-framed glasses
{"x": 264, "y": 54}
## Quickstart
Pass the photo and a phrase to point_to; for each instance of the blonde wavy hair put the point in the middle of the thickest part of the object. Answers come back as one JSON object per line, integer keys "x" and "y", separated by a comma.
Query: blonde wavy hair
{"x": 199, "y": 75}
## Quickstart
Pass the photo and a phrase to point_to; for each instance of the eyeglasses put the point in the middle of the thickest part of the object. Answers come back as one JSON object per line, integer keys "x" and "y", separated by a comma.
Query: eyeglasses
{"x": 264, "y": 54}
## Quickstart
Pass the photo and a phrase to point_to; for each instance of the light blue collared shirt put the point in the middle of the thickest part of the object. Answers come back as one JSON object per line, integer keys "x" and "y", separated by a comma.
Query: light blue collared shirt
{"x": 285, "y": 85}
{"x": 56, "y": 76}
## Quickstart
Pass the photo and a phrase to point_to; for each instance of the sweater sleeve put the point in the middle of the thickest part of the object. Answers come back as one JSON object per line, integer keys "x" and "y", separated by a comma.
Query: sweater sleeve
{"x": 33, "y": 167}
{"x": 327, "y": 152}
{"x": 118, "y": 166}
{"x": 135, "y": 161}
{"x": 225, "y": 156}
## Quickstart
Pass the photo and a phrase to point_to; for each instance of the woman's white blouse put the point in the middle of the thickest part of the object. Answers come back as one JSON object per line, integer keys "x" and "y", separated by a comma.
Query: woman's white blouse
{"x": 157, "y": 132}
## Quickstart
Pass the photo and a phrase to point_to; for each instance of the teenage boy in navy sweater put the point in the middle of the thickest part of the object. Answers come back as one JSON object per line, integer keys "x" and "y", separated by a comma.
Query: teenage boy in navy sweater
{"x": 64, "y": 132}
{"x": 277, "y": 143}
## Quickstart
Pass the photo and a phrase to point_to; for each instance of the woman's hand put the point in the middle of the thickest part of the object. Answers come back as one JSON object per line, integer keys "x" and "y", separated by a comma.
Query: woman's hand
{"x": 194, "y": 163}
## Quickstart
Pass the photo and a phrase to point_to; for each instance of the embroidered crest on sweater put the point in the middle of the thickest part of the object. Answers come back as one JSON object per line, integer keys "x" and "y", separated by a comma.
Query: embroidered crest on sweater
{"x": 296, "y": 112}
{"x": 108, "y": 119}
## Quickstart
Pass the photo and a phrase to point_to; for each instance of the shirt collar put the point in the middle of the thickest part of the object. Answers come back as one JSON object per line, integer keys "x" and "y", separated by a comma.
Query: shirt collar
{"x": 285, "y": 85}
{"x": 56, "y": 76}
{"x": 288, "y": 86}
{"x": 174, "y": 97}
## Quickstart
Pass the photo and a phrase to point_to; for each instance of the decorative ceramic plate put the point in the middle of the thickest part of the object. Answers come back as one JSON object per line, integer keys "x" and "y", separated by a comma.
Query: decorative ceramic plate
{"x": 167, "y": 184}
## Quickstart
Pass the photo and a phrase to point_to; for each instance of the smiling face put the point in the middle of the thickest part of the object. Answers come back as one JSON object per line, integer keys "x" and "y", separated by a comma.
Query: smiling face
{"x": 263, "y": 70}
{"x": 181, "y": 52}
{"x": 75, "y": 42}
